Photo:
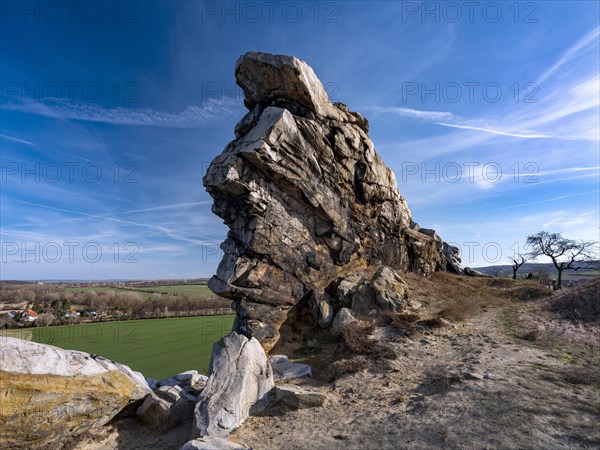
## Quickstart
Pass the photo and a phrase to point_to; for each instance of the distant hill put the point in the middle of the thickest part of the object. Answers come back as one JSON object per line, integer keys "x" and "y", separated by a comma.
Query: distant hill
{"x": 506, "y": 271}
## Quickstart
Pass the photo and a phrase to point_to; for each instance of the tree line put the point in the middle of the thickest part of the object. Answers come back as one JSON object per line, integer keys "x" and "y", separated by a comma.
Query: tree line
{"x": 53, "y": 303}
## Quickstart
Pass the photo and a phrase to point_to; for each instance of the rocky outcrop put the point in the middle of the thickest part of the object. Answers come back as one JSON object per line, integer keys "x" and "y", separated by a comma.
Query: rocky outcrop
{"x": 307, "y": 199}
{"x": 240, "y": 379}
{"x": 49, "y": 394}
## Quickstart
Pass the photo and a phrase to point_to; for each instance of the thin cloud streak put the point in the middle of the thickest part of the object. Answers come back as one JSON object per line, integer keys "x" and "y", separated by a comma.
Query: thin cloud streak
{"x": 549, "y": 200}
{"x": 17, "y": 140}
{"x": 498, "y": 132}
{"x": 191, "y": 117}
{"x": 587, "y": 41}
{"x": 166, "y": 207}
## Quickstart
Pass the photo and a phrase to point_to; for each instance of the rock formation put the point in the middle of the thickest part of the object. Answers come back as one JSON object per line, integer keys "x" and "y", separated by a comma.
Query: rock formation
{"x": 240, "y": 379}
{"x": 48, "y": 394}
{"x": 307, "y": 200}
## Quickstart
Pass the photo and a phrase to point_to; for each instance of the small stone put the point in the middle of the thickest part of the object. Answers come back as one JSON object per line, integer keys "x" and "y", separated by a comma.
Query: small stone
{"x": 295, "y": 397}
{"x": 472, "y": 376}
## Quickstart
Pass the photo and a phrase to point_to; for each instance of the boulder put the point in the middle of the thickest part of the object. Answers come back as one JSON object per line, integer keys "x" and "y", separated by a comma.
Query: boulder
{"x": 49, "y": 394}
{"x": 191, "y": 380}
{"x": 342, "y": 319}
{"x": 384, "y": 291}
{"x": 452, "y": 255}
{"x": 166, "y": 407}
{"x": 240, "y": 378}
{"x": 296, "y": 397}
{"x": 213, "y": 443}
{"x": 307, "y": 200}
{"x": 284, "y": 369}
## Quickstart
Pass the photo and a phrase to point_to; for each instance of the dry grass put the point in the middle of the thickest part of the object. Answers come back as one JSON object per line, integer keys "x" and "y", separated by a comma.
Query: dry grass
{"x": 348, "y": 366}
{"x": 581, "y": 376}
{"x": 529, "y": 293}
{"x": 581, "y": 304}
{"x": 355, "y": 339}
{"x": 458, "y": 310}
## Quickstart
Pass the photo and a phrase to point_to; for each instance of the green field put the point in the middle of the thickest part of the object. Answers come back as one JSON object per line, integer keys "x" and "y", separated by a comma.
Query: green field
{"x": 193, "y": 290}
{"x": 157, "y": 347}
{"x": 198, "y": 290}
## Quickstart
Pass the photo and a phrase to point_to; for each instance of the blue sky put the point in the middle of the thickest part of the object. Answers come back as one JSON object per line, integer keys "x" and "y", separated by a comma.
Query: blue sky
{"x": 111, "y": 111}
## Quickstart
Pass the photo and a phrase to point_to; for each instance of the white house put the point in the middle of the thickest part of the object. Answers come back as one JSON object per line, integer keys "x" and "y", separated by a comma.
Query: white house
{"x": 29, "y": 315}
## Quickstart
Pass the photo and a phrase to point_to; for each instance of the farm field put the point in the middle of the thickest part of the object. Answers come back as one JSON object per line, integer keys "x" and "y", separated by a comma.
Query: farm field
{"x": 145, "y": 295}
{"x": 200, "y": 290}
{"x": 156, "y": 347}
{"x": 193, "y": 290}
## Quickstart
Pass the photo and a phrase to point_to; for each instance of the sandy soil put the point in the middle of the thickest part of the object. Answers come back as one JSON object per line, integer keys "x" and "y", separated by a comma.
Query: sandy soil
{"x": 475, "y": 384}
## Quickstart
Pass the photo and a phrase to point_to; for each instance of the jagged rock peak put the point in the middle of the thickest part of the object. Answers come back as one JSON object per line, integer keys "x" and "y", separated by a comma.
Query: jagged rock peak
{"x": 280, "y": 80}
{"x": 307, "y": 200}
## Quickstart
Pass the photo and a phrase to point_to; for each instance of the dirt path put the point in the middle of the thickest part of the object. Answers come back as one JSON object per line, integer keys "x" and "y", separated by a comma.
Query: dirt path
{"x": 468, "y": 387}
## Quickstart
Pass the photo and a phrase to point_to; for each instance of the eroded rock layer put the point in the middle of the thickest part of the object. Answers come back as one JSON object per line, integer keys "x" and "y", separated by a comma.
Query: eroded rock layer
{"x": 307, "y": 199}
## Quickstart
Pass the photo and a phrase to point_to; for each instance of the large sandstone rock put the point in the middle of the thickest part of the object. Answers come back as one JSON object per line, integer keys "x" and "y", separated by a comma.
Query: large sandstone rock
{"x": 307, "y": 200}
{"x": 48, "y": 394}
{"x": 239, "y": 380}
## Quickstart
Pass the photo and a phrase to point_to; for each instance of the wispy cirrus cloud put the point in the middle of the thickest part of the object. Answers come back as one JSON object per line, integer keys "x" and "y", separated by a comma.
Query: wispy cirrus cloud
{"x": 582, "y": 45}
{"x": 191, "y": 117}
{"x": 450, "y": 120}
{"x": 17, "y": 140}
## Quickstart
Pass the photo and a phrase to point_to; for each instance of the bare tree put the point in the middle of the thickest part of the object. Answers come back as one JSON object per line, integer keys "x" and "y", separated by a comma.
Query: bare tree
{"x": 517, "y": 261}
{"x": 566, "y": 254}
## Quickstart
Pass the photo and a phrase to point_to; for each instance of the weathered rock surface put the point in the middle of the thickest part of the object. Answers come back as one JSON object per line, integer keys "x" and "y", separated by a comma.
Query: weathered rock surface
{"x": 48, "y": 394}
{"x": 307, "y": 200}
{"x": 284, "y": 369}
{"x": 167, "y": 407}
{"x": 296, "y": 397}
{"x": 240, "y": 378}
{"x": 342, "y": 319}
{"x": 385, "y": 291}
{"x": 191, "y": 381}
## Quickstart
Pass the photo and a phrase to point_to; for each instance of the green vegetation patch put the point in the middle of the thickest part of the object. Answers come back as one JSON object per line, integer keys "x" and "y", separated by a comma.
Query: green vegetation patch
{"x": 156, "y": 347}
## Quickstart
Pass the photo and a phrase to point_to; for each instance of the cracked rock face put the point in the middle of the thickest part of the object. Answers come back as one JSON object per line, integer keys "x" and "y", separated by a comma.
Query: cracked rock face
{"x": 307, "y": 199}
